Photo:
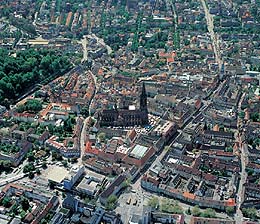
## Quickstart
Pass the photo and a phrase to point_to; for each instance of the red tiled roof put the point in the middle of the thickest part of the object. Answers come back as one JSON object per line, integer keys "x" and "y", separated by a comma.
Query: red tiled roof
{"x": 230, "y": 202}
{"x": 188, "y": 195}
{"x": 90, "y": 149}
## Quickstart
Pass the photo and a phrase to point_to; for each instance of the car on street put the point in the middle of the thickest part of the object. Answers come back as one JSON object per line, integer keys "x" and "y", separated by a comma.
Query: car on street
{"x": 128, "y": 200}
{"x": 135, "y": 202}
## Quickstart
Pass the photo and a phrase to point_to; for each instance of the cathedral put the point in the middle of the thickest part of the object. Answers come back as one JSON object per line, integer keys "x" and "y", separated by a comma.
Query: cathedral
{"x": 126, "y": 117}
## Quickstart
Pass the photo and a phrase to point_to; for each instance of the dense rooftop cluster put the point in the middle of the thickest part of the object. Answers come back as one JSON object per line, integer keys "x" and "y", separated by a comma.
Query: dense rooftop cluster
{"x": 116, "y": 111}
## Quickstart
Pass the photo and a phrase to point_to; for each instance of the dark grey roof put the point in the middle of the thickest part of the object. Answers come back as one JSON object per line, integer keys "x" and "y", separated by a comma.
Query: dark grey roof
{"x": 117, "y": 182}
{"x": 220, "y": 133}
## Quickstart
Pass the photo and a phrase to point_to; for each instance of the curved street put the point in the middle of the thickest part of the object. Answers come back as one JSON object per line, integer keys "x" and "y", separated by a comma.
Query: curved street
{"x": 87, "y": 120}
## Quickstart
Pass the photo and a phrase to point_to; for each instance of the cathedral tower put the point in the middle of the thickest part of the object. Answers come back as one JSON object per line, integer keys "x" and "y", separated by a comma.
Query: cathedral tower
{"x": 143, "y": 99}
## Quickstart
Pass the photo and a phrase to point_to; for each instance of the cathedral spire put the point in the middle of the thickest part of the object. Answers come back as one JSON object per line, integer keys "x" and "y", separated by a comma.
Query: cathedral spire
{"x": 143, "y": 89}
{"x": 143, "y": 98}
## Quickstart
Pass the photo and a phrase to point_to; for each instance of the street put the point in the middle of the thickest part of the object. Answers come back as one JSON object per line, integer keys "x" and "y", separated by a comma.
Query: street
{"x": 241, "y": 189}
{"x": 84, "y": 43}
{"x": 215, "y": 41}
{"x": 244, "y": 162}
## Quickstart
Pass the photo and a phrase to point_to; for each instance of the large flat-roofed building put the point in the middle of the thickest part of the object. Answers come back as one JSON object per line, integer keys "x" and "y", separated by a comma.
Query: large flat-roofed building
{"x": 138, "y": 151}
{"x": 73, "y": 176}
{"x": 139, "y": 155}
{"x": 62, "y": 177}
{"x": 91, "y": 183}
{"x": 57, "y": 174}
{"x": 88, "y": 187}
{"x": 165, "y": 129}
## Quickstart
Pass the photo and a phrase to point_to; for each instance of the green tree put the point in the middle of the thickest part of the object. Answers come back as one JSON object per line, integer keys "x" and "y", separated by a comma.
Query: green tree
{"x": 255, "y": 116}
{"x": 31, "y": 175}
{"x": 31, "y": 157}
{"x": 250, "y": 172}
{"x": 28, "y": 168}
{"x": 126, "y": 183}
{"x": 56, "y": 156}
{"x": 208, "y": 213}
{"x": 44, "y": 165}
{"x": 111, "y": 202}
{"x": 25, "y": 204}
{"x": 250, "y": 213}
{"x": 5, "y": 165}
{"x": 196, "y": 211}
{"x": 186, "y": 42}
{"x": 33, "y": 105}
{"x": 242, "y": 115}
{"x": 230, "y": 210}
{"x": 171, "y": 206}
{"x": 85, "y": 111}
{"x": 6, "y": 202}
{"x": 45, "y": 62}
{"x": 102, "y": 136}
{"x": 154, "y": 202}
{"x": 74, "y": 160}
{"x": 38, "y": 171}
{"x": 112, "y": 199}
{"x": 229, "y": 149}
{"x": 28, "y": 68}
{"x": 64, "y": 163}
{"x": 69, "y": 124}
{"x": 188, "y": 212}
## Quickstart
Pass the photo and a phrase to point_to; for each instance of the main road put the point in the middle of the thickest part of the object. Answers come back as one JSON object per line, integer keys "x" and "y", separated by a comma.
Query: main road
{"x": 136, "y": 186}
{"x": 87, "y": 120}
{"x": 84, "y": 43}
{"x": 244, "y": 161}
{"x": 141, "y": 194}
{"x": 243, "y": 177}
{"x": 214, "y": 38}
{"x": 12, "y": 179}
